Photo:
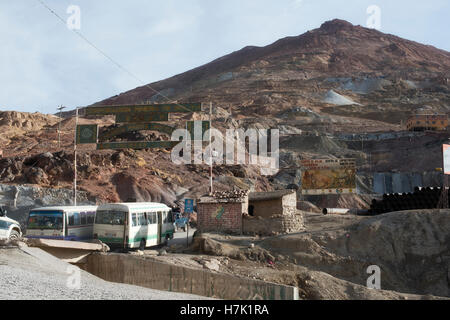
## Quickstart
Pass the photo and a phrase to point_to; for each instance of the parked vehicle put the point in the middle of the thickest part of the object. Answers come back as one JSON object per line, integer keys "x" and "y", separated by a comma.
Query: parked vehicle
{"x": 9, "y": 228}
{"x": 133, "y": 225}
{"x": 180, "y": 221}
{"x": 75, "y": 223}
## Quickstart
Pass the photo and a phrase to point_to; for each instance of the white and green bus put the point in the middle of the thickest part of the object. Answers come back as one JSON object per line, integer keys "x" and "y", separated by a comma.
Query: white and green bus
{"x": 133, "y": 225}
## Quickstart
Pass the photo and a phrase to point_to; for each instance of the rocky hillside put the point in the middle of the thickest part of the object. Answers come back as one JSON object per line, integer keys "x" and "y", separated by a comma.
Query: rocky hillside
{"x": 319, "y": 89}
{"x": 31, "y": 155}
{"x": 15, "y": 124}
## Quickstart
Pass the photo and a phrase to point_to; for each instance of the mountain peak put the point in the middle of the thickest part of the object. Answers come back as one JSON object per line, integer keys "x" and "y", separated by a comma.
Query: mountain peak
{"x": 335, "y": 24}
{"x": 338, "y": 49}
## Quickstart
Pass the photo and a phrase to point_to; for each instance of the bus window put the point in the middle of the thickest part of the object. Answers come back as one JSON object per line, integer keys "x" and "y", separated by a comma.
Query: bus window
{"x": 152, "y": 218}
{"x": 110, "y": 217}
{"x": 90, "y": 217}
{"x": 138, "y": 218}
{"x": 76, "y": 217}
{"x": 134, "y": 219}
{"x": 145, "y": 219}
{"x": 83, "y": 218}
{"x": 170, "y": 217}
{"x": 45, "y": 220}
{"x": 141, "y": 219}
{"x": 71, "y": 218}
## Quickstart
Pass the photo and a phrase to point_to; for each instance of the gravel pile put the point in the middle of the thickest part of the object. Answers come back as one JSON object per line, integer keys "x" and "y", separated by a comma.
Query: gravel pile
{"x": 30, "y": 273}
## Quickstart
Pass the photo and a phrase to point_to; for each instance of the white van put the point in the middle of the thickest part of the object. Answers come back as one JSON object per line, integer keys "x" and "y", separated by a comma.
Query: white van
{"x": 9, "y": 228}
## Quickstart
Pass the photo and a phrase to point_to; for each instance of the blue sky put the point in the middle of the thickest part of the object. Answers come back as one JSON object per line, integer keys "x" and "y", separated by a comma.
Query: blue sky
{"x": 43, "y": 64}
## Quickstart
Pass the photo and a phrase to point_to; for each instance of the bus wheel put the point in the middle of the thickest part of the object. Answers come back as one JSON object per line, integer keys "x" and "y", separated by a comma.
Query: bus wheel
{"x": 166, "y": 240}
{"x": 14, "y": 235}
{"x": 142, "y": 245}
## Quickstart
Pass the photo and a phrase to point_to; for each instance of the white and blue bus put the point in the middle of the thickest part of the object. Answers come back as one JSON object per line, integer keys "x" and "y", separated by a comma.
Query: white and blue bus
{"x": 133, "y": 225}
{"x": 75, "y": 223}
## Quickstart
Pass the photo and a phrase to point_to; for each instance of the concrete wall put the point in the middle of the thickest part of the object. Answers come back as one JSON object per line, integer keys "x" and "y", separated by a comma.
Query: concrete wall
{"x": 208, "y": 218}
{"x": 163, "y": 276}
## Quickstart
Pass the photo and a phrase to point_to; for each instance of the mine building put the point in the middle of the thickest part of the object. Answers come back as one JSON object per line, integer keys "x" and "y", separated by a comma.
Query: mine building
{"x": 422, "y": 122}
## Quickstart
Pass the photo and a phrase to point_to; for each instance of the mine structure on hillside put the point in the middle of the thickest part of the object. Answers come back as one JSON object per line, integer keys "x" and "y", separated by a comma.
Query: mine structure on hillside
{"x": 422, "y": 122}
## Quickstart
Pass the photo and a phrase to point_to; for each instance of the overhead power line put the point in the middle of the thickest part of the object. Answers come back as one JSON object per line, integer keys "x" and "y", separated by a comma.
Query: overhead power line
{"x": 106, "y": 55}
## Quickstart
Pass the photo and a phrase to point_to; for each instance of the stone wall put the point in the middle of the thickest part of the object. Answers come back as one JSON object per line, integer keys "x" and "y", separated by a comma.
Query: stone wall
{"x": 221, "y": 215}
{"x": 276, "y": 224}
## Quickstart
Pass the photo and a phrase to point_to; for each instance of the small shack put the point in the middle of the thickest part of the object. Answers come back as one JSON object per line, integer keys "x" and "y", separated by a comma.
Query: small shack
{"x": 272, "y": 212}
{"x": 222, "y": 211}
{"x": 267, "y": 204}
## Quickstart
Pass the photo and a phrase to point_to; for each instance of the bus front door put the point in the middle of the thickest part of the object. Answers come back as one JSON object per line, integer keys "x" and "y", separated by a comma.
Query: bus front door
{"x": 125, "y": 233}
{"x": 159, "y": 226}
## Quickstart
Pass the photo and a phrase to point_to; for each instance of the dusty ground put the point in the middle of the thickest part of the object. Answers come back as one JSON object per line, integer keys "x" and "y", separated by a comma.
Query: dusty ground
{"x": 330, "y": 259}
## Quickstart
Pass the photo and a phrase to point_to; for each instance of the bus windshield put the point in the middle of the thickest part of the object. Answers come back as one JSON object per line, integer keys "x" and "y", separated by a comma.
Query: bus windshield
{"x": 110, "y": 217}
{"x": 45, "y": 220}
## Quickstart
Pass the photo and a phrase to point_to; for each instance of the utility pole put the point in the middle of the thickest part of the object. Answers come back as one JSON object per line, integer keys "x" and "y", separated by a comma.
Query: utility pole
{"x": 60, "y": 108}
{"x": 75, "y": 161}
{"x": 210, "y": 151}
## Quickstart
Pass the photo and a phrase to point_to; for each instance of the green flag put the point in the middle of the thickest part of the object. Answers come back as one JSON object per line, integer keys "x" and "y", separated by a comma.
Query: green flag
{"x": 86, "y": 133}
